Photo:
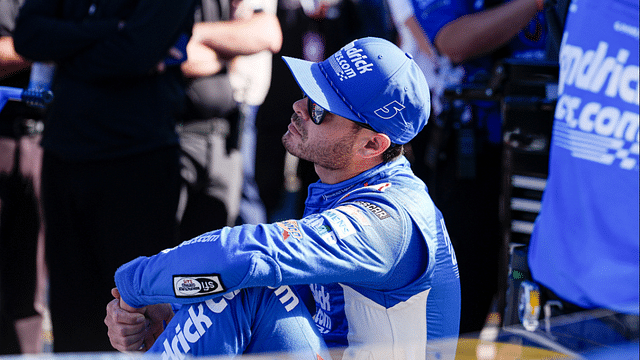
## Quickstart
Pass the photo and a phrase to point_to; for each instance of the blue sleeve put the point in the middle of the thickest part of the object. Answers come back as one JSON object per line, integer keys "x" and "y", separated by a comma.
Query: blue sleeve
{"x": 257, "y": 320}
{"x": 351, "y": 243}
{"x": 434, "y": 15}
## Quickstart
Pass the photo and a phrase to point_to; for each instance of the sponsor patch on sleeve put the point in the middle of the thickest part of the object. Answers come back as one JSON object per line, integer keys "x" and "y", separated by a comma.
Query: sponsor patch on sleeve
{"x": 290, "y": 229}
{"x": 197, "y": 285}
{"x": 321, "y": 227}
{"x": 355, "y": 213}
{"x": 327, "y": 234}
{"x": 375, "y": 209}
{"x": 339, "y": 222}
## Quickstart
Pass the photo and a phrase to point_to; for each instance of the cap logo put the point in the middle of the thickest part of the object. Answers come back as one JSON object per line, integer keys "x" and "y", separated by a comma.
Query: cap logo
{"x": 344, "y": 67}
{"x": 390, "y": 110}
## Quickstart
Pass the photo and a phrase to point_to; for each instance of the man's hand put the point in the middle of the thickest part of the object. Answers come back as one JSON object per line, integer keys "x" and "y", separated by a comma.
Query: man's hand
{"x": 132, "y": 329}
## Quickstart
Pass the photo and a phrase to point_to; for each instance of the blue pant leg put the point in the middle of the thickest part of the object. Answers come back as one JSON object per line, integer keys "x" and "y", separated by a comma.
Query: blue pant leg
{"x": 219, "y": 326}
{"x": 283, "y": 324}
{"x": 255, "y": 320}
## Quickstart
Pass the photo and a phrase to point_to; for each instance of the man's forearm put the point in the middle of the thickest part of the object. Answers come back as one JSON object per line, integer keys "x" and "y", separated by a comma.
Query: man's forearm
{"x": 424, "y": 43}
{"x": 477, "y": 34}
{"x": 241, "y": 37}
{"x": 201, "y": 61}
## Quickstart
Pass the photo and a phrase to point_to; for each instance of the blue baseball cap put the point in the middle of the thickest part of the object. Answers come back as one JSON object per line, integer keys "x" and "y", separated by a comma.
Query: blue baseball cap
{"x": 371, "y": 81}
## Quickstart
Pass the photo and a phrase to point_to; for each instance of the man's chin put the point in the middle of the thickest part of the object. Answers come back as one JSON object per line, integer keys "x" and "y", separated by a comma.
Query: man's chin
{"x": 290, "y": 145}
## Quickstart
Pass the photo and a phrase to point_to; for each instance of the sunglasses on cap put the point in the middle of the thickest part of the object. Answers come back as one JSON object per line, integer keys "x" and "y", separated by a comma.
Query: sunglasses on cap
{"x": 317, "y": 113}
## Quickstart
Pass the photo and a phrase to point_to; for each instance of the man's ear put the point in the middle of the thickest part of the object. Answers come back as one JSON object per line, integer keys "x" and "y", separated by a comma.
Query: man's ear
{"x": 375, "y": 146}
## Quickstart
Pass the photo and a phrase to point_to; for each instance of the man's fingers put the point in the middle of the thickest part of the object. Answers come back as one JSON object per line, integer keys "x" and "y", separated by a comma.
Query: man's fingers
{"x": 126, "y": 307}
{"x": 154, "y": 329}
{"x": 125, "y": 338}
{"x": 115, "y": 293}
{"x": 129, "y": 329}
{"x": 149, "y": 339}
{"x": 137, "y": 346}
{"x": 126, "y": 343}
{"x": 120, "y": 316}
{"x": 126, "y": 330}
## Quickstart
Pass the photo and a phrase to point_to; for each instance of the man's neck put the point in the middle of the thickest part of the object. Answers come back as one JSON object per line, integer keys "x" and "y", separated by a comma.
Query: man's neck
{"x": 331, "y": 176}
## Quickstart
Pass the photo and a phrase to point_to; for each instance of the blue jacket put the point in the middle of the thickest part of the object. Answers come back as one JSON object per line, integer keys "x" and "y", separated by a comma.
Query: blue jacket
{"x": 374, "y": 246}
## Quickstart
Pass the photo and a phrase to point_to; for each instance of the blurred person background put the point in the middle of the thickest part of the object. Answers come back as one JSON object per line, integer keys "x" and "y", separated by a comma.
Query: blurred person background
{"x": 110, "y": 169}
{"x": 250, "y": 79}
{"x": 227, "y": 74}
{"x": 22, "y": 268}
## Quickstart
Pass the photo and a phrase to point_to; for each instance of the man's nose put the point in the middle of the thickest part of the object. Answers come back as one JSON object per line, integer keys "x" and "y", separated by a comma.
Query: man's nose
{"x": 300, "y": 107}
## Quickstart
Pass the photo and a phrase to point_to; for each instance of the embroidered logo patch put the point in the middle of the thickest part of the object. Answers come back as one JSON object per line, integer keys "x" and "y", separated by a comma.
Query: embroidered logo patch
{"x": 340, "y": 224}
{"x": 327, "y": 234}
{"x": 321, "y": 227}
{"x": 291, "y": 229}
{"x": 355, "y": 213}
{"x": 197, "y": 285}
{"x": 375, "y": 209}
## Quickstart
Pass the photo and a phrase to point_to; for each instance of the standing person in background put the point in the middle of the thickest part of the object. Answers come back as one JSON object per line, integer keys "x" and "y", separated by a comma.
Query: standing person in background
{"x": 22, "y": 270}
{"x": 225, "y": 68}
{"x": 476, "y": 34}
{"x": 13, "y": 65}
{"x": 584, "y": 246}
{"x": 250, "y": 78}
{"x": 372, "y": 243}
{"x": 110, "y": 176}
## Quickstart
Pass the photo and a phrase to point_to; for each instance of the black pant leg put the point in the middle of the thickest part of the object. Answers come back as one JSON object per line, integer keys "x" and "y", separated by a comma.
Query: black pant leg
{"x": 100, "y": 215}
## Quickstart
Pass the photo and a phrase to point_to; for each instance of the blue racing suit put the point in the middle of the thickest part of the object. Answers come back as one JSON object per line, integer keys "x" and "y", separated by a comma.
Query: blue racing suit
{"x": 256, "y": 320}
{"x": 375, "y": 247}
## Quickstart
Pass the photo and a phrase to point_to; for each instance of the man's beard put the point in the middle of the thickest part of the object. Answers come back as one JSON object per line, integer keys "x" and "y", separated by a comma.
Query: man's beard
{"x": 333, "y": 156}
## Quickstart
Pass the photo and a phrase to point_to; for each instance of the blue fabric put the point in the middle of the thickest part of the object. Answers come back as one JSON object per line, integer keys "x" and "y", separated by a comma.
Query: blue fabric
{"x": 378, "y": 235}
{"x": 584, "y": 246}
{"x": 257, "y": 320}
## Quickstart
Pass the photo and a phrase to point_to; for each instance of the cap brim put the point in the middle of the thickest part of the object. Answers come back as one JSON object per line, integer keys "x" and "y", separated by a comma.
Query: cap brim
{"x": 313, "y": 83}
